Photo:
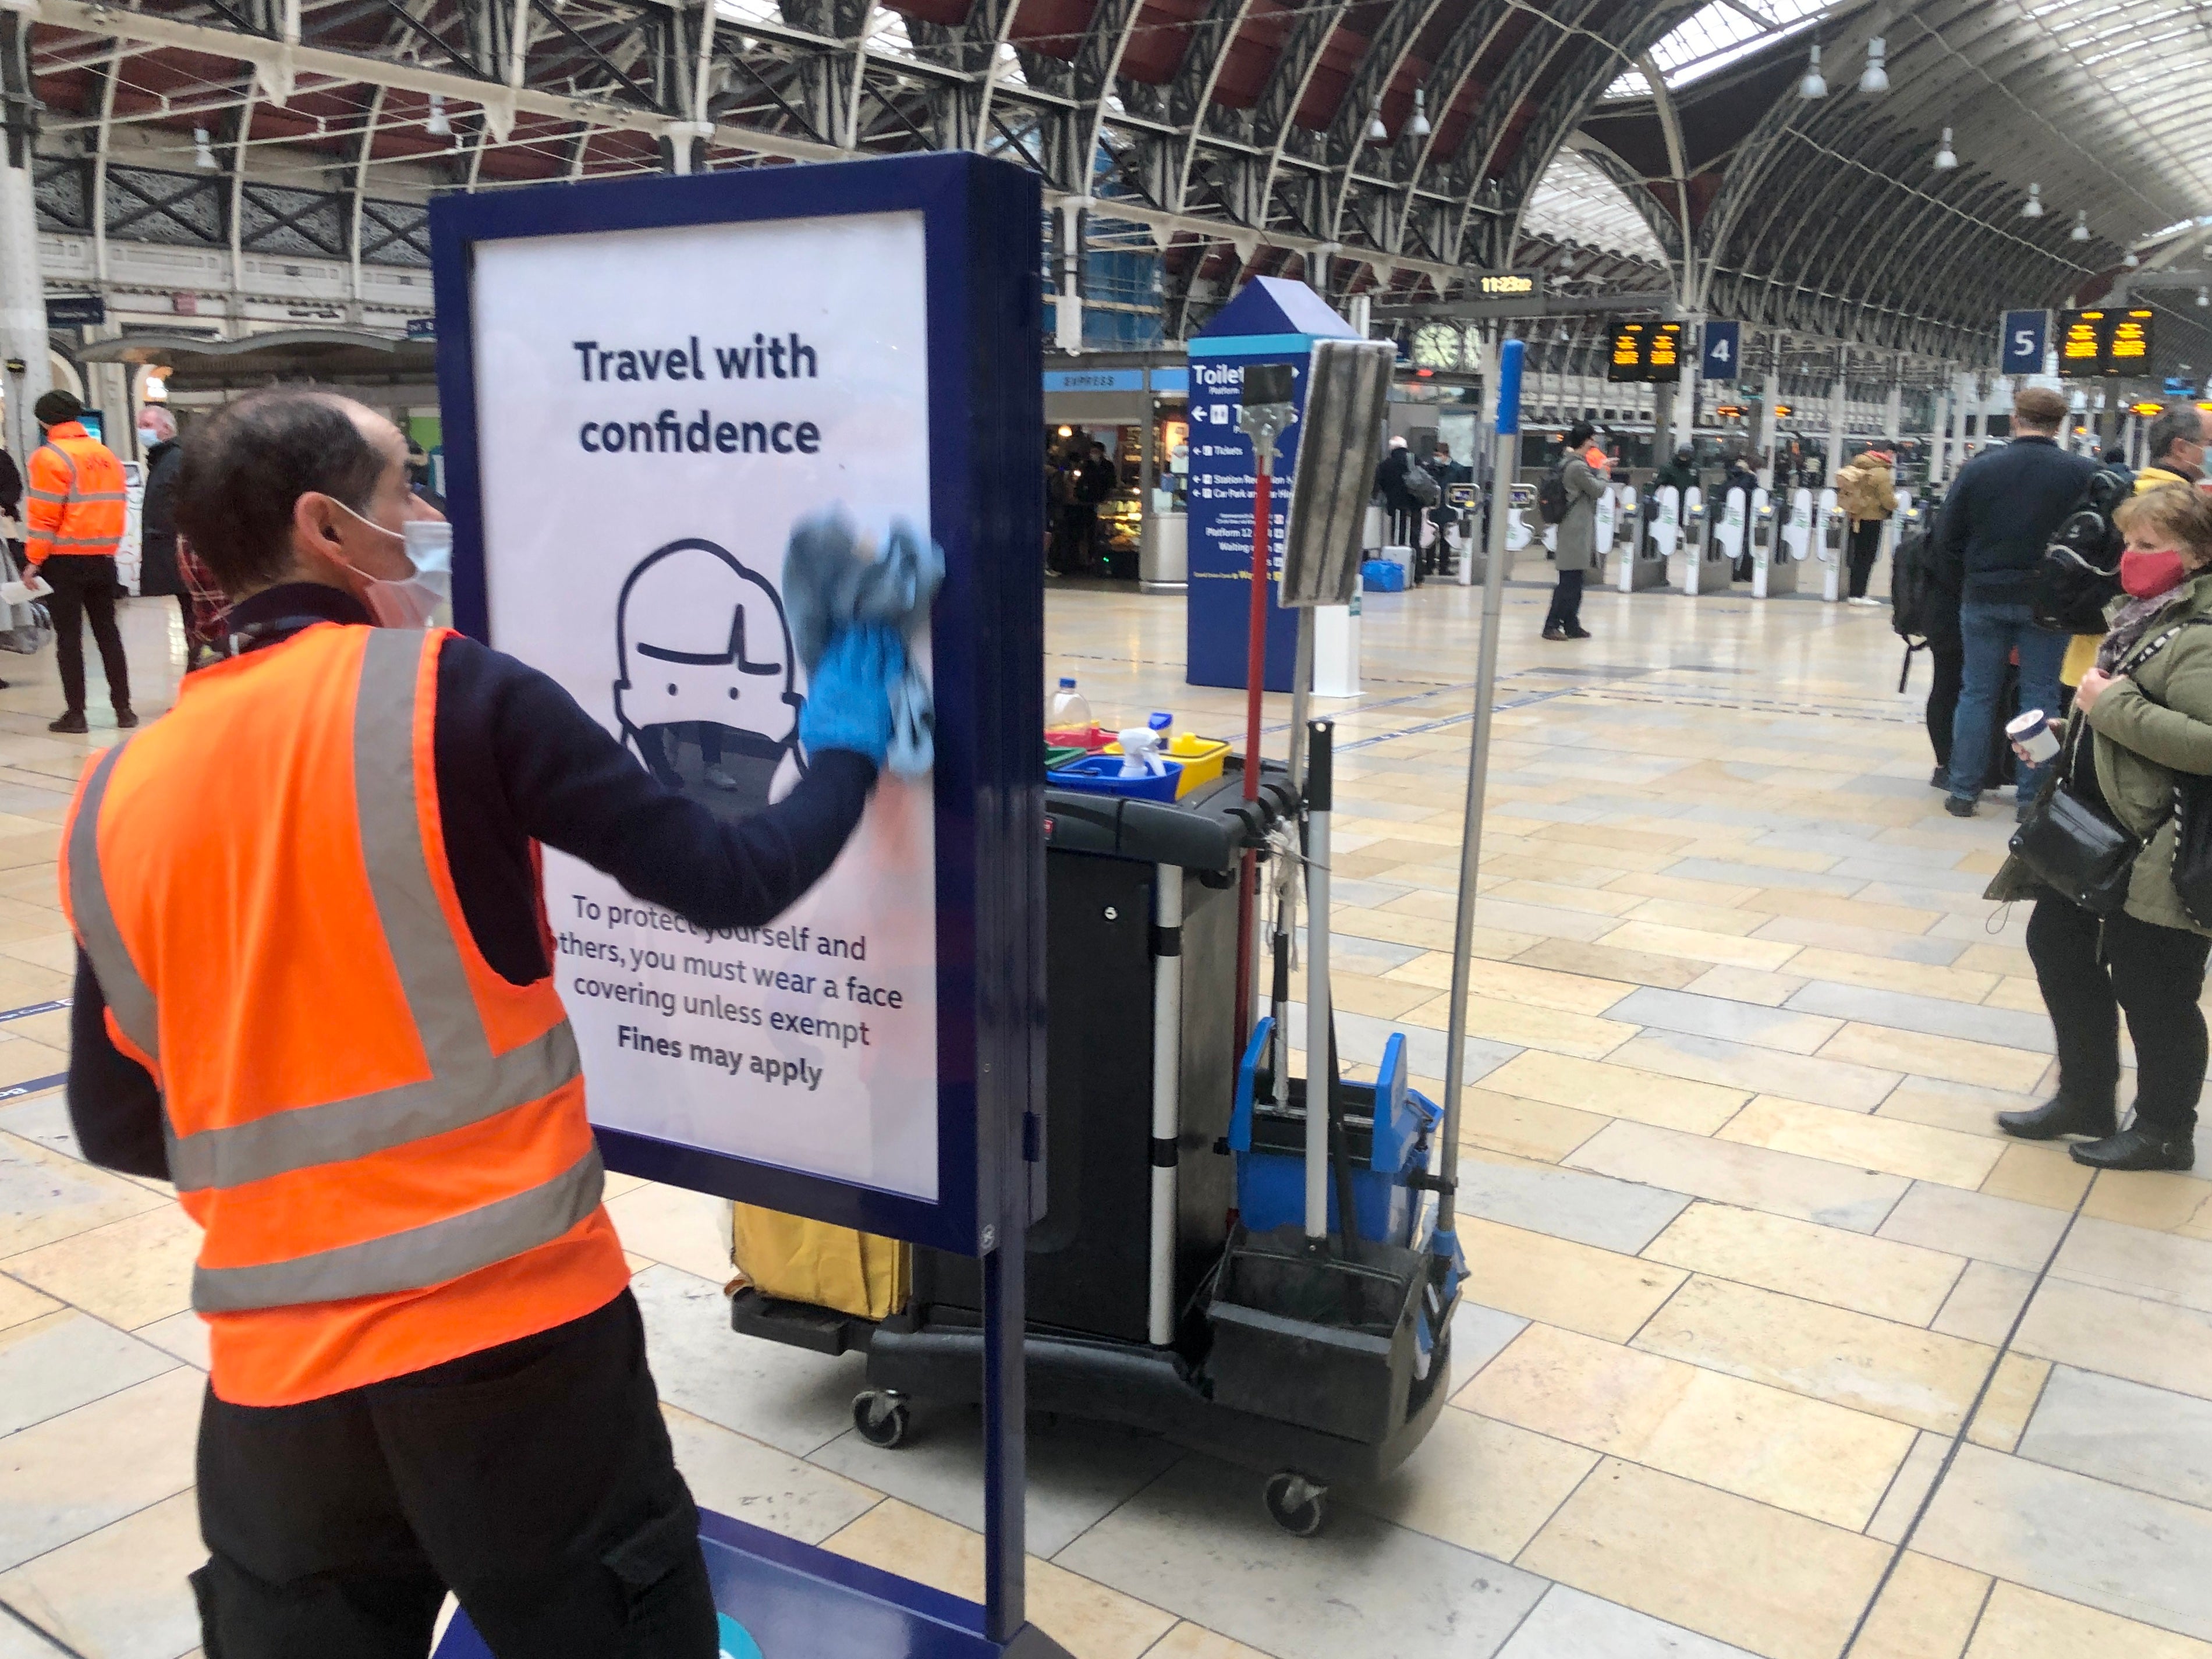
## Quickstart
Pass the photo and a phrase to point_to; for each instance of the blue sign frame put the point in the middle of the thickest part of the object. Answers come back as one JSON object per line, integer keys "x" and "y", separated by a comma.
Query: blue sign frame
{"x": 986, "y": 408}
{"x": 2024, "y": 342}
{"x": 1720, "y": 352}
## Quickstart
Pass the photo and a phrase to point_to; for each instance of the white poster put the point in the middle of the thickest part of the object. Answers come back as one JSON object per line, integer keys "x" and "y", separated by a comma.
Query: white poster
{"x": 656, "y": 410}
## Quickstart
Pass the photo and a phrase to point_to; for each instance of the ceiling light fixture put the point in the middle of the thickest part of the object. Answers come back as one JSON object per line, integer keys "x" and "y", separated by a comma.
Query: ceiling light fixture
{"x": 2129, "y": 260}
{"x": 2081, "y": 231}
{"x": 2033, "y": 207}
{"x": 2204, "y": 296}
{"x": 438, "y": 126}
{"x": 1813, "y": 86}
{"x": 1419, "y": 126}
{"x": 1376, "y": 132}
{"x": 203, "y": 152}
{"x": 1946, "y": 158}
{"x": 1875, "y": 81}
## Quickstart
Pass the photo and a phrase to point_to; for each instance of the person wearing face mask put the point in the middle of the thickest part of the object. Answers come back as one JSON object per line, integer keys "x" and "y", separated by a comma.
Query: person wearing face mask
{"x": 2142, "y": 715}
{"x": 159, "y": 575}
{"x": 74, "y": 515}
{"x": 328, "y": 1014}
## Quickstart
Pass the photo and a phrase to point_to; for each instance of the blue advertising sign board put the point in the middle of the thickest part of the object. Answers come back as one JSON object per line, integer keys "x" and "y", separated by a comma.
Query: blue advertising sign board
{"x": 2025, "y": 341}
{"x": 1722, "y": 356}
{"x": 1272, "y": 321}
{"x": 623, "y": 492}
{"x": 631, "y": 452}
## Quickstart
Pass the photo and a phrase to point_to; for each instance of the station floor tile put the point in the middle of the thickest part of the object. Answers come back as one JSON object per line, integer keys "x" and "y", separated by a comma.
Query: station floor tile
{"x": 1745, "y": 1243}
{"x": 1808, "y": 1261}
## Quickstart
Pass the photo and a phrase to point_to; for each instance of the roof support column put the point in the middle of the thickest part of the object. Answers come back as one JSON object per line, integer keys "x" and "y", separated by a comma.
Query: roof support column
{"x": 1939, "y": 442}
{"x": 1837, "y": 394}
{"x": 1893, "y": 412}
{"x": 29, "y": 369}
{"x": 1769, "y": 393}
{"x": 1067, "y": 299}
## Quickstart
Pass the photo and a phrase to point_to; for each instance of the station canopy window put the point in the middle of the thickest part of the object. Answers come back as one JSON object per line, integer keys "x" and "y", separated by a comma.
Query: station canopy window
{"x": 1716, "y": 36}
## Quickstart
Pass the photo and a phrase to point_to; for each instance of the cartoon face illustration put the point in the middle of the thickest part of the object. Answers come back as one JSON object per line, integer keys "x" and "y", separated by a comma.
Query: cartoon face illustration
{"x": 704, "y": 694}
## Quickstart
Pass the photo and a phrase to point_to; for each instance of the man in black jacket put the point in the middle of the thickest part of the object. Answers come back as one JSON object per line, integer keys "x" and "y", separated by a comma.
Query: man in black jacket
{"x": 1999, "y": 517}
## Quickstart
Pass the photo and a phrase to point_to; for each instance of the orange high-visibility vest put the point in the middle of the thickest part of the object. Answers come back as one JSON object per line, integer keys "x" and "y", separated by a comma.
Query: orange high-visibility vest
{"x": 73, "y": 500}
{"x": 383, "y": 1139}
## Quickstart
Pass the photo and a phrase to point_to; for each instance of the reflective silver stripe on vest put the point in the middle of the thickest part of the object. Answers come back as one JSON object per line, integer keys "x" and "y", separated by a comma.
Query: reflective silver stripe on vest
{"x": 468, "y": 1083}
{"x": 129, "y": 997}
{"x": 420, "y": 1256}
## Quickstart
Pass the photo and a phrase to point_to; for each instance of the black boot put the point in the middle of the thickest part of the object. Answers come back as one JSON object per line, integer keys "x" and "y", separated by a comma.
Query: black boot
{"x": 2135, "y": 1149}
{"x": 71, "y": 721}
{"x": 2060, "y": 1117}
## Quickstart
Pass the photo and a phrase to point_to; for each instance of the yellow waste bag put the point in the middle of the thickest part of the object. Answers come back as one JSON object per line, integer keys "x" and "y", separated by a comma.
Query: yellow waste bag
{"x": 796, "y": 1260}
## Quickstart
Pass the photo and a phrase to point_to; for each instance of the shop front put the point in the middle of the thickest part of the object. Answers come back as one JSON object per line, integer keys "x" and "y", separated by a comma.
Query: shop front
{"x": 1116, "y": 459}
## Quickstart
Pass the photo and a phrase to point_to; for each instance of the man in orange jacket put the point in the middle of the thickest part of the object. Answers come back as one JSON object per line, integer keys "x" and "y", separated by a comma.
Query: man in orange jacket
{"x": 315, "y": 991}
{"x": 73, "y": 512}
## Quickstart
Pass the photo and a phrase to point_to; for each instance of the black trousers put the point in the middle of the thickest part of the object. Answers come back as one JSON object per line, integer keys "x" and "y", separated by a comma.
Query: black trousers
{"x": 1948, "y": 659}
{"x": 1567, "y": 610}
{"x": 534, "y": 1479}
{"x": 1866, "y": 547}
{"x": 2151, "y": 973}
{"x": 84, "y": 588}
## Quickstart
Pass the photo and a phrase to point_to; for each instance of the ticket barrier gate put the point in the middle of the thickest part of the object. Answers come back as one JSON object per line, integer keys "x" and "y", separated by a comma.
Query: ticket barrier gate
{"x": 1603, "y": 514}
{"x": 1464, "y": 566}
{"x": 1829, "y": 533}
{"x": 1653, "y": 525}
{"x": 1712, "y": 566}
{"x": 1520, "y": 530}
{"x": 1773, "y": 572}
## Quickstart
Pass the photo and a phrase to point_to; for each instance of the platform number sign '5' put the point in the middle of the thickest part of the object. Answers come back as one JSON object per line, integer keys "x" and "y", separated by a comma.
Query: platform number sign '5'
{"x": 1723, "y": 351}
{"x": 2025, "y": 339}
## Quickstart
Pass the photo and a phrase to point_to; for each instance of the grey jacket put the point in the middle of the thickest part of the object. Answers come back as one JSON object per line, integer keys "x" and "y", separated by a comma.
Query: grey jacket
{"x": 1579, "y": 530}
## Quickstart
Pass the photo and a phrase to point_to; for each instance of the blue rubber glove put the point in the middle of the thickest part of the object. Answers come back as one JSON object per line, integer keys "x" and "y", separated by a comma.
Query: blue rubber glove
{"x": 848, "y": 698}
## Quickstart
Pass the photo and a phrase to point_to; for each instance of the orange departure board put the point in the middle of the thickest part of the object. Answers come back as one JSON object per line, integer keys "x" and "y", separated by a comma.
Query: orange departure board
{"x": 2105, "y": 341}
{"x": 1627, "y": 360}
{"x": 1646, "y": 351}
{"x": 2130, "y": 351}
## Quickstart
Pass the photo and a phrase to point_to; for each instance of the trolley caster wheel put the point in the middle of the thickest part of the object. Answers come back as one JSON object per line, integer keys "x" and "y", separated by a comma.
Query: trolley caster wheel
{"x": 881, "y": 1417}
{"x": 1295, "y": 1504}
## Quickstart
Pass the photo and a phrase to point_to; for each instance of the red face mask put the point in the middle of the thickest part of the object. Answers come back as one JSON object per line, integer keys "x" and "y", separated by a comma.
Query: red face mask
{"x": 2147, "y": 576}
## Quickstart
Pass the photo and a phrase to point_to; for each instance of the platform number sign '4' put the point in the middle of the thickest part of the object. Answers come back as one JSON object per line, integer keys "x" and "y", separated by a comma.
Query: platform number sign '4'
{"x": 1722, "y": 353}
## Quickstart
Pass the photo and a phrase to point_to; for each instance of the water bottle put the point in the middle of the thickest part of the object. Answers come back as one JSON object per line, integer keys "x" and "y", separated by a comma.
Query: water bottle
{"x": 1069, "y": 711}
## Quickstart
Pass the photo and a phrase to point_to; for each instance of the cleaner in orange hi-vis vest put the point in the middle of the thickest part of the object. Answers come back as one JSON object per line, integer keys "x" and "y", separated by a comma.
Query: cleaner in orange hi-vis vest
{"x": 315, "y": 991}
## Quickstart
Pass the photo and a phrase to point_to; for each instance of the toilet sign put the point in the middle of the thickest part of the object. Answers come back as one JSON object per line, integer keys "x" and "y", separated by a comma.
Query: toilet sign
{"x": 648, "y": 386}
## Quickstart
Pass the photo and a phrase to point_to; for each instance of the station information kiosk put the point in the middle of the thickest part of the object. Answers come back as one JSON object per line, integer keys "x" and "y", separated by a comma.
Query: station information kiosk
{"x": 647, "y": 385}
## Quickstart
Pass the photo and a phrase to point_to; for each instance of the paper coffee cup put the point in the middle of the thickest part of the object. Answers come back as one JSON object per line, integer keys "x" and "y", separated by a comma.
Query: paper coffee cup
{"x": 2032, "y": 731}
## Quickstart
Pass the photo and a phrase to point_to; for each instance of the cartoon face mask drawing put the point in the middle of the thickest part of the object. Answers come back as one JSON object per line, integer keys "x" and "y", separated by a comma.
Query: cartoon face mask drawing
{"x": 705, "y": 695}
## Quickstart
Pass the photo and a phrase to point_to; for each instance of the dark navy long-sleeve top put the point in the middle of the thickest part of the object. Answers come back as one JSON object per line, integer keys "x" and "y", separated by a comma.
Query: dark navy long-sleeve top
{"x": 518, "y": 761}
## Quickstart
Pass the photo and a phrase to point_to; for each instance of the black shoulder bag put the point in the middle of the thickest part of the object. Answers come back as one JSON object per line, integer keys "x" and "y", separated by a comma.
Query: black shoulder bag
{"x": 2075, "y": 848}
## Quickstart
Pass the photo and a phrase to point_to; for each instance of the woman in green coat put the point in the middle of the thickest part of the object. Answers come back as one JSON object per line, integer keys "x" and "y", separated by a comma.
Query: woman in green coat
{"x": 2145, "y": 711}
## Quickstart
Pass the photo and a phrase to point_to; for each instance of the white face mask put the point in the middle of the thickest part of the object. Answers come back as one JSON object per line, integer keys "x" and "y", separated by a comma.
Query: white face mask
{"x": 412, "y": 601}
{"x": 150, "y": 435}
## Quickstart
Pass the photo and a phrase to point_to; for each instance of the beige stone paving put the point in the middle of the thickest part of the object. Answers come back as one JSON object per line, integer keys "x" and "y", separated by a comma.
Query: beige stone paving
{"x": 1727, "y": 1432}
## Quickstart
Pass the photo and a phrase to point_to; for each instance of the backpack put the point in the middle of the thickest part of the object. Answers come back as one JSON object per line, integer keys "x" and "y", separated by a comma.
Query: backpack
{"x": 1912, "y": 588}
{"x": 1421, "y": 484}
{"x": 1551, "y": 494}
{"x": 2078, "y": 574}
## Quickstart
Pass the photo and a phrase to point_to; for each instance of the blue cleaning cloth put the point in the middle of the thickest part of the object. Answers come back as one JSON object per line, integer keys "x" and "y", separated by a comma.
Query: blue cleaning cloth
{"x": 850, "y": 691}
{"x": 830, "y": 583}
